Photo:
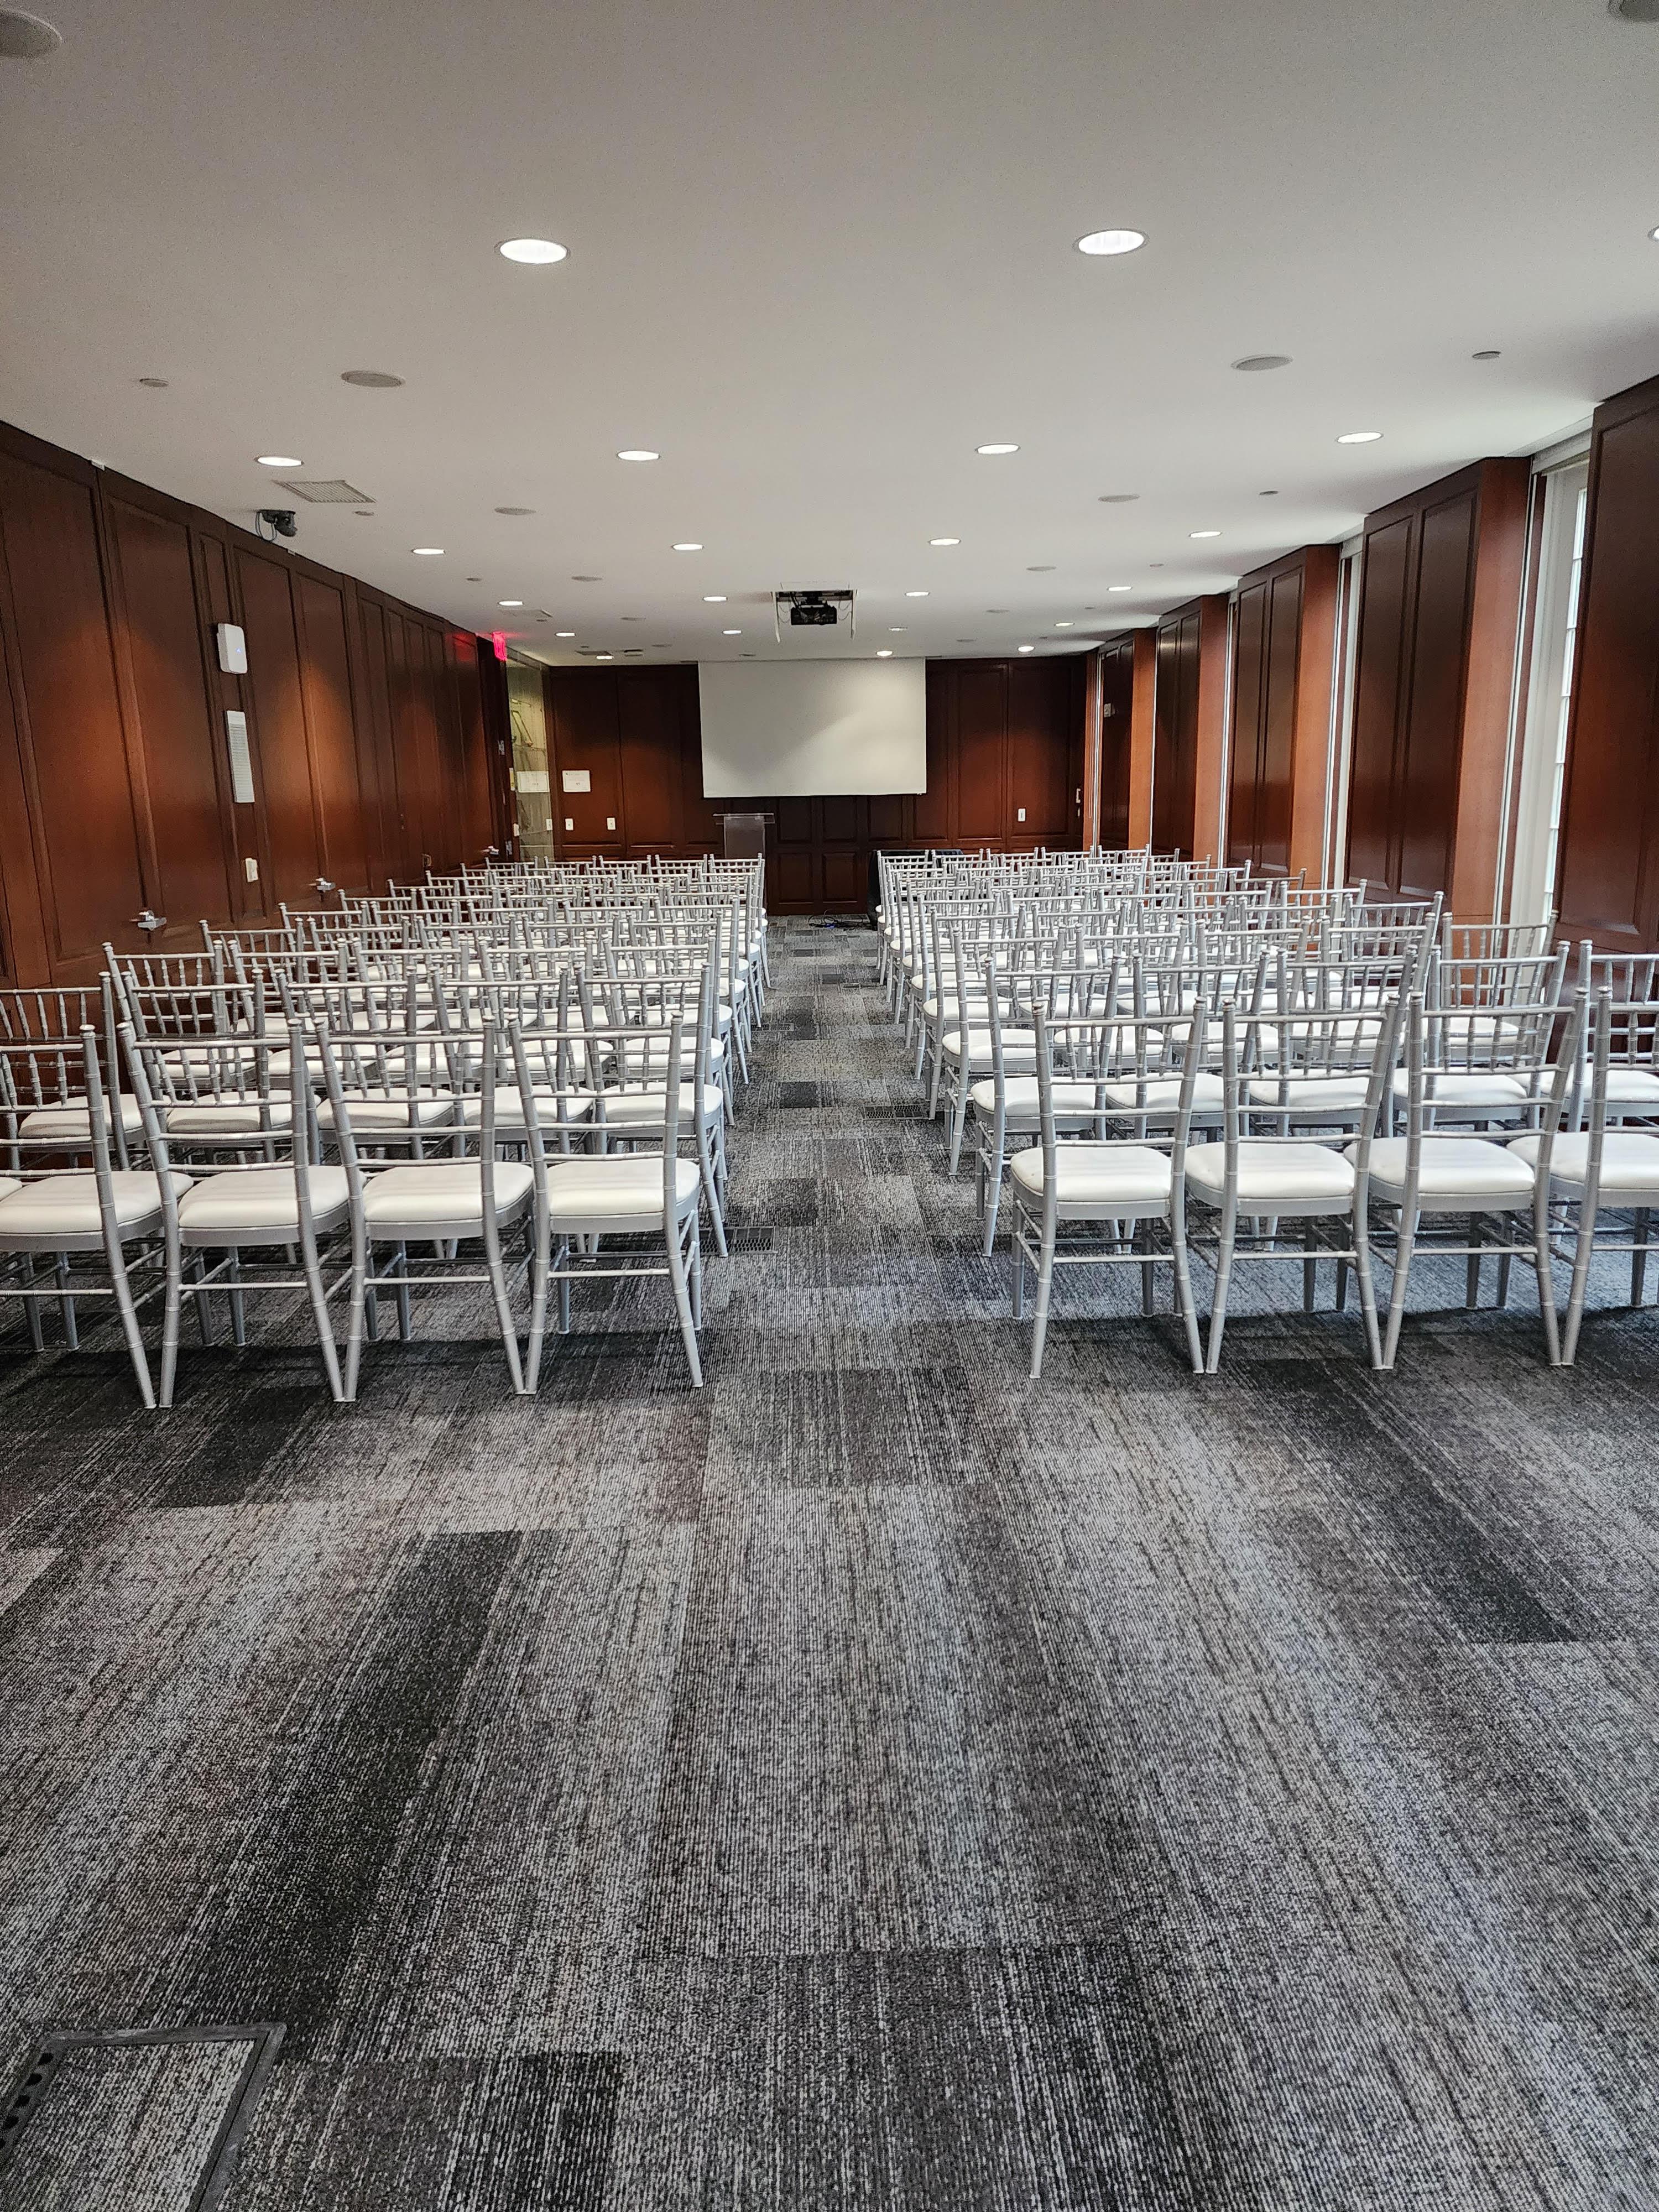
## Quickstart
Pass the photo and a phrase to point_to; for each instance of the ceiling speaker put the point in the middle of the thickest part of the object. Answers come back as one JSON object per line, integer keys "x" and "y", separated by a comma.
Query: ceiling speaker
{"x": 25, "y": 38}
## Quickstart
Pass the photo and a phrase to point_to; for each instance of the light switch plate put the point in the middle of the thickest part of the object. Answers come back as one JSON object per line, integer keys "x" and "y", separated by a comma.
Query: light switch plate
{"x": 568, "y": 823}
{"x": 1021, "y": 817}
{"x": 250, "y": 870}
{"x": 609, "y": 821}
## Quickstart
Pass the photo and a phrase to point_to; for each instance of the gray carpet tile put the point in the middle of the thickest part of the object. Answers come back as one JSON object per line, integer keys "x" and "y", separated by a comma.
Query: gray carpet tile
{"x": 874, "y": 1782}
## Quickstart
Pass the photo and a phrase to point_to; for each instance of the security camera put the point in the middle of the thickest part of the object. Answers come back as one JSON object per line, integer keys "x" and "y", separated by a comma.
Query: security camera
{"x": 281, "y": 519}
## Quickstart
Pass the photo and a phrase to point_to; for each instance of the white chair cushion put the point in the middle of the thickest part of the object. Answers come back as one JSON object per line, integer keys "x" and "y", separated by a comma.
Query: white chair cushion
{"x": 509, "y": 1107}
{"x": 1309, "y": 1094}
{"x": 1451, "y": 1166}
{"x": 1632, "y": 1086}
{"x": 1465, "y": 1086}
{"x": 1018, "y": 1047}
{"x": 1163, "y": 1093}
{"x": 262, "y": 1198}
{"x": 1272, "y": 1171}
{"x": 617, "y": 1185}
{"x": 8, "y": 1184}
{"x": 226, "y": 1117}
{"x": 1020, "y": 1093}
{"x": 1630, "y": 1160}
{"x": 68, "y": 1204}
{"x": 441, "y": 1190}
{"x": 1098, "y": 1175}
{"x": 366, "y": 1111}
{"x": 629, "y": 1108}
{"x": 70, "y": 1121}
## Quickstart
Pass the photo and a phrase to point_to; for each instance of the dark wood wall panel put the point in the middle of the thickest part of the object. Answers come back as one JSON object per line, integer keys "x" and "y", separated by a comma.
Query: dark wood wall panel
{"x": 1424, "y": 747}
{"x": 1175, "y": 761}
{"x": 1116, "y": 705}
{"x": 1608, "y": 881}
{"x": 1000, "y": 736}
{"x": 1267, "y": 653}
{"x": 115, "y": 797}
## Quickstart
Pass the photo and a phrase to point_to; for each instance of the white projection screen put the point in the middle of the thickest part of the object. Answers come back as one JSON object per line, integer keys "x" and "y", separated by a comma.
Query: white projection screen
{"x": 812, "y": 729}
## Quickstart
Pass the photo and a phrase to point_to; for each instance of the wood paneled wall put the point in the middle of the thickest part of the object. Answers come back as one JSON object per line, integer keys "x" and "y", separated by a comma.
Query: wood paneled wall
{"x": 1189, "y": 710}
{"x": 1003, "y": 737}
{"x": 1284, "y": 670}
{"x": 366, "y": 723}
{"x": 1608, "y": 880}
{"x": 1439, "y": 606}
{"x": 1116, "y": 713}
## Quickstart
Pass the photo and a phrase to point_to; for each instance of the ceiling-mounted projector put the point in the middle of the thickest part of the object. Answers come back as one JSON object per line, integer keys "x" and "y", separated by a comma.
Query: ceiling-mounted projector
{"x": 813, "y": 609}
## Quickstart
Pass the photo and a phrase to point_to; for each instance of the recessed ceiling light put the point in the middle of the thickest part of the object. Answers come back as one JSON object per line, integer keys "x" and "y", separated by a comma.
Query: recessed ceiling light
{"x": 371, "y": 379}
{"x": 537, "y": 251}
{"x": 1111, "y": 241}
{"x": 915, "y": 595}
{"x": 515, "y": 510}
{"x": 1120, "y": 587}
{"x": 155, "y": 383}
{"x": 967, "y": 641}
{"x": 637, "y": 453}
{"x": 564, "y": 633}
{"x": 587, "y": 580}
{"x": 279, "y": 460}
{"x": 1360, "y": 437}
{"x": 1118, "y": 498}
{"x": 1487, "y": 353}
{"x": 427, "y": 552}
{"x": 689, "y": 545}
{"x": 1260, "y": 361}
{"x": 604, "y": 656}
{"x": 503, "y": 603}
{"x": 1654, "y": 234}
{"x": 1064, "y": 625}
{"x": 714, "y": 598}
{"x": 1203, "y": 533}
{"x": 1028, "y": 648}
{"x": 996, "y": 449}
{"x": 945, "y": 541}
{"x": 1040, "y": 568}
{"x": 633, "y": 617}
{"x": 884, "y": 652}
{"x": 1635, "y": 11}
{"x": 364, "y": 514}
{"x": 745, "y": 656}
{"x": 1268, "y": 495}
{"x": 895, "y": 629}
{"x": 996, "y": 611}
{"x": 731, "y": 633}
{"x": 25, "y": 38}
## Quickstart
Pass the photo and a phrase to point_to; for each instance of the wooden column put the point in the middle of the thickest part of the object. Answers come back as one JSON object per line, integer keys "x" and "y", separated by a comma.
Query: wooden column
{"x": 1089, "y": 826}
{"x": 1500, "y": 571}
{"x": 1210, "y": 735}
{"x": 1316, "y": 693}
{"x": 1142, "y": 737}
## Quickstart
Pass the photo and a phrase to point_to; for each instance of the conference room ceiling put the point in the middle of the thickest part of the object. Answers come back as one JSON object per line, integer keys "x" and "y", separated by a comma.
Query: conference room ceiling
{"x": 816, "y": 257}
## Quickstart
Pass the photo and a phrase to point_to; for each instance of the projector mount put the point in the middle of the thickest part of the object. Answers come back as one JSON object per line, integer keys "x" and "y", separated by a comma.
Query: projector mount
{"x": 819, "y": 609}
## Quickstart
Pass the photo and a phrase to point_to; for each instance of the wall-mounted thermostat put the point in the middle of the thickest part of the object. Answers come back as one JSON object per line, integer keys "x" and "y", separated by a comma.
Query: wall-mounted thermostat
{"x": 232, "y": 648}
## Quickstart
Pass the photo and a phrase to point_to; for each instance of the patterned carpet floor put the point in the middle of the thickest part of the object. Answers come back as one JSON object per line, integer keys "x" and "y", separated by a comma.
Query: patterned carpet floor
{"x": 875, "y": 1782}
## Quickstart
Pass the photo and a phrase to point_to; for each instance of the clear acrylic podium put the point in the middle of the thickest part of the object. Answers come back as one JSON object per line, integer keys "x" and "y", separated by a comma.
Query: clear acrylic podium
{"x": 745, "y": 836}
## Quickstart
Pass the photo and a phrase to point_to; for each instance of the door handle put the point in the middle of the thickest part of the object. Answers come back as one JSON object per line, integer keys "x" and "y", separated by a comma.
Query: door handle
{"x": 148, "y": 921}
{"x": 325, "y": 885}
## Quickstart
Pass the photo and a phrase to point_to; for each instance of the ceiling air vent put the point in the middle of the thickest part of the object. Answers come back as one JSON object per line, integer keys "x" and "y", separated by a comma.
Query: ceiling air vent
{"x": 324, "y": 492}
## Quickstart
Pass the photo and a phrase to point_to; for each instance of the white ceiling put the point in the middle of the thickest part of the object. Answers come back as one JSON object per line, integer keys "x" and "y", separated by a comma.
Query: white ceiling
{"x": 817, "y": 254}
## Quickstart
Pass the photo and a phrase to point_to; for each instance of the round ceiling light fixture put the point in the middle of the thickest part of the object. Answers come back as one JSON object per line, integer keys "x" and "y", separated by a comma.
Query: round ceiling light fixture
{"x": 945, "y": 541}
{"x": 504, "y": 603}
{"x": 1040, "y": 568}
{"x": 1203, "y": 533}
{"x": 564, "y": 633}
{"x": 1487, "y": 353}
{"x": 587, "y": 580}
{"x": 884, "y": 652}
{"x": 637, "y": 453}
{"x": 689, "y": 545}
{"x": 1028, "y": 648}
{"x": 731, "y": 633}
{"x": 515, "y": 510}
{"x": 1064, "y": 625}
{"x": 1111, "y": 241}
{"x": 371, "y": 379}
{"x": 153, "y": 383}
{"x": 1360, "y": 437}
{"x": 279, "y": 460}
{"x": 1268, "y": 494}
{"x": 1635, "y": 11}
{"x": 714, "y": 598}
{"x": 537, "y": 253}
{"x": 604, "y": 656}
{"x": 990, "y": 450}
{"x": 1120, "y": 587}
{"x": 25, "y": 38}
{"x": 915, "y": 595}
{"x": 1252, "y": 361}
{"x": 428, "y": 552}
